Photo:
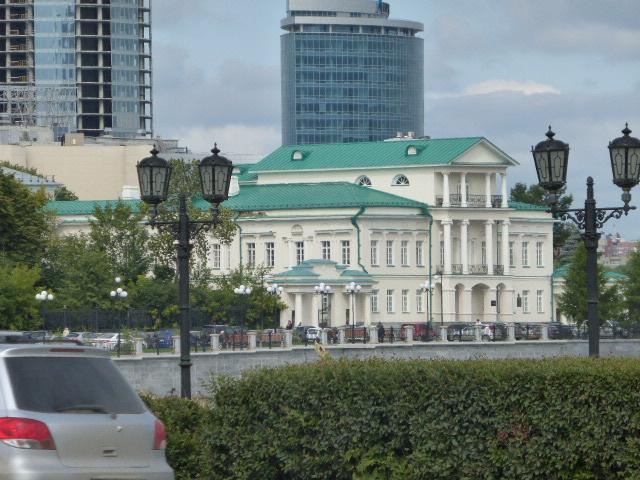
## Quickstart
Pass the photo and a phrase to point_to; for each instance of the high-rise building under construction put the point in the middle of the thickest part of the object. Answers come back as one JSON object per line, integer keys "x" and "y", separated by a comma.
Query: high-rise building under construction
{"x": 349, "y": 72}
{"x": 77, "y": 65}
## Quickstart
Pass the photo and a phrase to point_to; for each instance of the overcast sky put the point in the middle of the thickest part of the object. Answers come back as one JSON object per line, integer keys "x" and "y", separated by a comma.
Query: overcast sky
{"x": 503, "y": 69}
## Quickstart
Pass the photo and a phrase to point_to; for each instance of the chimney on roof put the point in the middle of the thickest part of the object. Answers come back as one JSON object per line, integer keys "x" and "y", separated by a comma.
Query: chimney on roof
{"x": 234, "y": 186}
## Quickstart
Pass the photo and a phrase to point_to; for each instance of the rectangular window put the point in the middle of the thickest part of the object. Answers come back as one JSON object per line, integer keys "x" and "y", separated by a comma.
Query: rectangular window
{"x": 390, "y": 259}
{"x": 419, "y": 301}
{"x": 374, "y": 253}
{"x": 391, "y": 307}
{"x": 299, "y": 252}
{"x": 375, "y": 306}
{"x": 346, "y": 252}
{"x": 525, "y": 254}
{"x": 216, "y": 256}
{"x": 326, "y": 249}
{"x": 420, "y": 253}
{"x": 525, "y": 301}
{"x": 540, "y": 301}
{"x": 270, "y": 254}
{"x": 441, "y": 252}
{"x": 404, "y": 253}
{"x": 512, "y": 254}
{"x": 498, "y": 252}
{"x": 483, "y": 253}
{"x": 405, "y": 301}
{"x": 251, "y": 254}
{"x": 539, "y": 257}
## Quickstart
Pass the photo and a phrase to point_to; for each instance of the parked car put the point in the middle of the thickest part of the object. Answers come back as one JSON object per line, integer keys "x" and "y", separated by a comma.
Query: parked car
{"x": 211, "y": 329}
{"x": 527, "y": 331}
{"x": 160, "y": 339}
{"x": 559, "y": 331}
{"x": 81, "y": 337}
{"x": 461, "y": 332}
{"x": 109, "y": 341}
{"x": 313, "y": 334}
{"x": 422, "y": 332}
{"x": 57, "y": 419}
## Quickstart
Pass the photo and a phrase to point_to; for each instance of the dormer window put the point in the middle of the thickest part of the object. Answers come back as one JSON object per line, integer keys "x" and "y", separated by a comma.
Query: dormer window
{"x": 400, "y": 180}
{"x": 297, "y": 155}
{"x": 363, "y": 181}
{"x": 412, "y": 150}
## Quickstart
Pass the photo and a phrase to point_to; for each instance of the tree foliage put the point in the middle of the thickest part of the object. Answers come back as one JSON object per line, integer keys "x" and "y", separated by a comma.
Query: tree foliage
{"x": 573, "y": 300}
{"x": 64, "y": 194}
{"x": 632, "y": 287}
{"x": 24, "y": 229}
{"x": 18, "y": 306}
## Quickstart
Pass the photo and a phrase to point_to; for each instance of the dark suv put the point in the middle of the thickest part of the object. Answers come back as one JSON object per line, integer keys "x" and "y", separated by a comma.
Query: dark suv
{"x": 559, "y": 331}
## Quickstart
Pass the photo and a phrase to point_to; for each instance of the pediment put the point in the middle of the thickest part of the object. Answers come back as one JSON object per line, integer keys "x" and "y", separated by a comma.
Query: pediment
{"x": 484, "y": 153}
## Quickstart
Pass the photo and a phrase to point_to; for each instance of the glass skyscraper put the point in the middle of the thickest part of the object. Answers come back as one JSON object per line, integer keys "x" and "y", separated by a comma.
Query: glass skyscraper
{"x": 77, "y": 65}
{"x": 349, "y": 73}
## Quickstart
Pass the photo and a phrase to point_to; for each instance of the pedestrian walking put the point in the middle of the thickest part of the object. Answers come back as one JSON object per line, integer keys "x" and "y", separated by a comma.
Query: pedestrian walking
{"x": 380, "y": 332}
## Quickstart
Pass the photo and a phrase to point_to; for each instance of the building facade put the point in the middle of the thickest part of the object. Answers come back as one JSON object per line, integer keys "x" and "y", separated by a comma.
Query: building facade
{"x": 389, "y": 216}
{"x": 77, "y": 65}
{"x": 349, "y": 73}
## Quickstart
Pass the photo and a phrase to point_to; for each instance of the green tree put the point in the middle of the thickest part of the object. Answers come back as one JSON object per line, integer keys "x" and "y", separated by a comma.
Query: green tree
{"x": 64, "y": 194}
{"x": 24, "y": 229}
{"x": 536, "y": 195}
{"x": 158, "y": 295}
{"x": 18, "y": 306}
{"x": 632, "y": 287}
{"x": 573, "y": 301}
{"x": 119, "y": 232}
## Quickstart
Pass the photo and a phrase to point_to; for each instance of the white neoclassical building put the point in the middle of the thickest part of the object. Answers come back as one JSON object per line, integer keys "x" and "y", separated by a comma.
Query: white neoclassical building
{"x": 388, "y": 216}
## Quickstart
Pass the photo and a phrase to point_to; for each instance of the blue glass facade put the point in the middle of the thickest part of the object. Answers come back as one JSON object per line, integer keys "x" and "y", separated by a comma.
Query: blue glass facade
{"x": 350, "y": 87}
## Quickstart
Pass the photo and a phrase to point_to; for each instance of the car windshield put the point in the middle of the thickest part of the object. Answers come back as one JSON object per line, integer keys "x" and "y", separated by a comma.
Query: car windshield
{"x": 68, "y": 384}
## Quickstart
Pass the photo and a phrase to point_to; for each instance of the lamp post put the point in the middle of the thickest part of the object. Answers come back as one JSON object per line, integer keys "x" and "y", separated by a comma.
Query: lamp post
{"x": 323, "y": 290}
{"x": 427, "y": 287}
{"x": 353, "y": 289}
{"x": 154, "y": 174}
{"x": 275, "y": 290}
{"x": 243, "y": 291}
{"x": 551, "y": 161}
{"x": 439, "y": 276}
{"x": 119, "y": 294}
{"x": 44, "y": 297}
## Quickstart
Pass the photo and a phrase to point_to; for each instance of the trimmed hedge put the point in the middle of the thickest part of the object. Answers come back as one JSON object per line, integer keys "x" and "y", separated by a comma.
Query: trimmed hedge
{"x": 381, "y": 419}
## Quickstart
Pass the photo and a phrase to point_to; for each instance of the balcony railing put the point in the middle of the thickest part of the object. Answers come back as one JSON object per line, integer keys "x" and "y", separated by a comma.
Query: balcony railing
{"x": 473, "y": 201}
{"x": 456, "y": 269}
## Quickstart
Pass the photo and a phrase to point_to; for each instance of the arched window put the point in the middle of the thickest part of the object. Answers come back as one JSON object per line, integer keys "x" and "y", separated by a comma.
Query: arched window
{"x": 400, "y": 180}
{"x": 412, "y": 150}
{"x": 297, "y": 155}
{"x": 363, "y": 181}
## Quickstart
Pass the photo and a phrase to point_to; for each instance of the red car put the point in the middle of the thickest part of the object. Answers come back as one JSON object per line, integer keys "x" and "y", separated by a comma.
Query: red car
{"x": 422, "y": 332}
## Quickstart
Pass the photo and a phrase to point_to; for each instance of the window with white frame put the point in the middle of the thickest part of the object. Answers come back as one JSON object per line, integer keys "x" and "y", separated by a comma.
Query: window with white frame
{"x": 374, "y": 253}
{"x": 512, "y": 254}
{"x": 363, "y": 181}
{"x": 525, "y": 301}
{"x": 216, "y": 255}
{"x": 391, "y": 261}
{"x": 483, "y": 253}
{"x": 539, "y": 257}
{"x": 404, "y": 253}
{"x": 400, "y": 180}
{"x": 375, "y": 305}
{"x": 346, "y": 252}
{"x": 540, "y": 301}
{"x": 420, "y": 253}
{"x": 405, "y": 301}
{"x": 391, "y": 306}
{"x": 270, "y": 254}
{"x": 299, "y": 252}
{"x": 326, "y": 249}
{"x": 525, "y": 254}
{"x": 419, "y": 301}
{"x": 251, "y": 254}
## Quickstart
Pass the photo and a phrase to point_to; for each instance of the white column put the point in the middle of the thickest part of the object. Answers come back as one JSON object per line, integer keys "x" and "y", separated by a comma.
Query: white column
{"x": 505, "y": 199}
{"x": 464, "y": 247}
{"x": 315, "y": 314}
{"x": 446, "y": 226}
{"x": 505, "y": 247}
{"x": 487, "y": 190}
{"x": 291, "y": 261}
{"x": 488, "y": 234}
{"x": 463, "y": 190}
{"x": 298, "y": 309}
{"x": 445, "y": 190}
{"x": 367, "y": 308}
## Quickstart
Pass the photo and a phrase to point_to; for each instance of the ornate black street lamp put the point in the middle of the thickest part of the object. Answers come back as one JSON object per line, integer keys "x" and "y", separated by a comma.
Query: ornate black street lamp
{"x": 353, "y": 289}
{"x": 323, "y": 290}
{"x": 243, "y": 291}
{"x": 119, "y": 294}
{"x": 551, "y": 161}
{"x": 154, "y": 174}
{"x": 44, "y": 296}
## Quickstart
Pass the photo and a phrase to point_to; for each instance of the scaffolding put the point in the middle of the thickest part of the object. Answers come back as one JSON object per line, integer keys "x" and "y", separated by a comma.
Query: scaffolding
{"x": 44, "y": 106}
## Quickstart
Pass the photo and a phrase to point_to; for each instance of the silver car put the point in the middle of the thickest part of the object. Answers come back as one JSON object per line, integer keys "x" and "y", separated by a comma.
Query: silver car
{"x": 67, "y": 413}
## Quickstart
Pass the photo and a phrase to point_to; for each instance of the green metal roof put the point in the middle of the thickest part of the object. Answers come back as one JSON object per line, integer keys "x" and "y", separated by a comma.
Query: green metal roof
{"x": 271, "y": 197}
{"x": 563, "y": 271}
{"x": 440, "y": 151}
{"x": 246, "y": 174}
{"x": 527, "y": 206}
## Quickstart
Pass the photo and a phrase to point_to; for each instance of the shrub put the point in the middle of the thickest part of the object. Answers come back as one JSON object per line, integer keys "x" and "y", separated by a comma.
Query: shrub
{"x": 381, "y": 419}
